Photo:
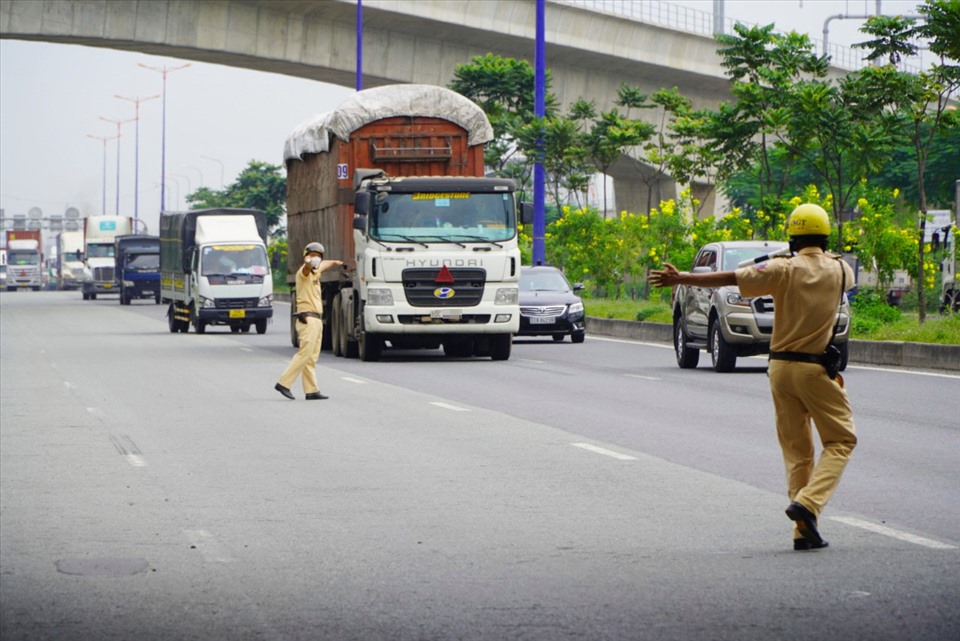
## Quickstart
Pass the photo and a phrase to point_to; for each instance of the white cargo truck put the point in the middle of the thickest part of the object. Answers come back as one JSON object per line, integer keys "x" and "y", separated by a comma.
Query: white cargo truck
{"x": 69, "y": 266}
{"x": 214, "y": 269}
{"x": 99, "y": 273}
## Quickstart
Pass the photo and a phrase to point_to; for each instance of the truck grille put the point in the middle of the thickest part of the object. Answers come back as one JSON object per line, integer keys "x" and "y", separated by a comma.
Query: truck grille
{"x": 763, "y": 305}
{"x": 421, "y": 287}
{"x": 235, "y": 303}
{"x": 103, "y": 274}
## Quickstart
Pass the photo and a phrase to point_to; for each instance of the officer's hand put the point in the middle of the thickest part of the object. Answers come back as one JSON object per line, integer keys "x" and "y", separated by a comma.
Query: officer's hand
{"x": 666, "y": 277}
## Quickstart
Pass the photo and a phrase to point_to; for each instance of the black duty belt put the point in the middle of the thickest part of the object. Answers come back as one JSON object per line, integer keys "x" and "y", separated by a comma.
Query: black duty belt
{"x": 303, "y": 316}
{"x": 798, "y": 357}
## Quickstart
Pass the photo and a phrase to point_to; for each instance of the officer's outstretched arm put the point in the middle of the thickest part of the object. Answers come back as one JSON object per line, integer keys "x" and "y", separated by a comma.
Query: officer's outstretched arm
{"x": 669, "y": 276}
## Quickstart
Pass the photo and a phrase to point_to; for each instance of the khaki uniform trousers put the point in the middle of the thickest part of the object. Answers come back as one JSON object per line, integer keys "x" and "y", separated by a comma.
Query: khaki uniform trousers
{"x": 304, "y": 362}
{"x": 801, "y": 392}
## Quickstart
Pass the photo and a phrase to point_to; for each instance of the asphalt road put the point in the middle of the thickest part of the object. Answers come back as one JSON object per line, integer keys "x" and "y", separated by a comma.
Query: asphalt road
{"x": 155, "y": 486}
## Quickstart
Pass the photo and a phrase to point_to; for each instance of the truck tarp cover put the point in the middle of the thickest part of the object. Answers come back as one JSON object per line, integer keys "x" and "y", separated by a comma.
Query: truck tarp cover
{"x": 313, "y": 136}
{"x": 178, "y": 234}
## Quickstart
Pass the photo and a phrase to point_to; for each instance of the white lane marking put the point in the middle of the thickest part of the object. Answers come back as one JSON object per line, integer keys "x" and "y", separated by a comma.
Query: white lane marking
{"x": 530, "y": 360}
{"x": 604, "y": 451}
{"x": 69, "y": 385}
{"x": 646, "y": 378}
{"x": 447, "y": 406}
{"x": 631, "y": 342}
{"x": 896, "y": 534}
{"x": 135, "y": 460}
{"x": 95, "y": 411}
{"x": 212, "y": 551}
{"x": 353, "y": 380}
{"x": 246, "y": 349}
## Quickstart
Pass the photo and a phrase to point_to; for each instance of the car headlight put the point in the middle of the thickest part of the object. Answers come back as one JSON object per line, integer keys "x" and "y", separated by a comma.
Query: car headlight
{"x": 575, "y": 308}
{"x": 379, "y": 297}
{"x": 265, "y": 301}
{"x": 207, "y": 302}
{"x": 734, "y": 298}
{"x": 507, "y": 296}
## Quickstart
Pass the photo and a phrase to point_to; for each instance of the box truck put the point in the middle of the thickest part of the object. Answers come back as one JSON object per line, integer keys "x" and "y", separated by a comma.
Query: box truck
{"x": 99, "y": 269}
{"x": 214, "y": 269}
{"x": 69, "y": 266}
{"x": 24, "y": 260}
{"x": 391, "y": 182}
{"x": 137, "y": 263}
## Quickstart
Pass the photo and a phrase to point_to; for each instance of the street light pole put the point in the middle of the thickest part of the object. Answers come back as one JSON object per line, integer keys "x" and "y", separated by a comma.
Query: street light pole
{"x": 119, "y": 124}
{"x": 163, "y": 127}
{"x": 103, "y": 206}
{"x": 189, "y": 186}
{"x": 196, "y": 169}
{"x": 136, "y": 160}
{"x": 221, "y": 168}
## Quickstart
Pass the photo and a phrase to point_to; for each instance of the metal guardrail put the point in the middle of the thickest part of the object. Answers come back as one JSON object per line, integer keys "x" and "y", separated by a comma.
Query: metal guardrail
{"x": 699, "y": 22}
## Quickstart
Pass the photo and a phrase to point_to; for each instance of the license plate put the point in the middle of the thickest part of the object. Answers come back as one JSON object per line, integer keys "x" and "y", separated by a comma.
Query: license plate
{"x": 238, "y": 313}
{"x": 542, "y": 320}
{"x": 107, "y": 285}
{"x": 447, "y": 314}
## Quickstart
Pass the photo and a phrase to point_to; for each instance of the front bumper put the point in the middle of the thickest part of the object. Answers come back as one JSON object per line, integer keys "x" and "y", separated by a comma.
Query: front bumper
{"x": 405, "y": 319}
{"x": 223, "y": 316}
{"x": 559, "y": 325}
{"x": 97, "y": 287}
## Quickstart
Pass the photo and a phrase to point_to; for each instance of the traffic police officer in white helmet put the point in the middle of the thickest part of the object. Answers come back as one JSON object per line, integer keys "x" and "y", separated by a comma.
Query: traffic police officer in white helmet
{"x": 309, "y": 312}
{"x": 807, "y": 289}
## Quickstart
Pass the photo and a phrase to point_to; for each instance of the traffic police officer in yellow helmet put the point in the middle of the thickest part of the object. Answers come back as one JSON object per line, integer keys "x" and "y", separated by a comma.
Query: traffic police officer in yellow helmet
{"x": 807, "y": 289}
{"x": 309, "y": 313}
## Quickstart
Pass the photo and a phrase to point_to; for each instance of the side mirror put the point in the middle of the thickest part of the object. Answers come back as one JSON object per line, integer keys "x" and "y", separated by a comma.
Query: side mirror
{"x": 80, "y": 255}
{"x": 577, "y": 287}
{"x": 360, "y": 223}
{"x": 526, "y": 213}
{"x": 361, "y": 204}
{"x": 701, "y": 270}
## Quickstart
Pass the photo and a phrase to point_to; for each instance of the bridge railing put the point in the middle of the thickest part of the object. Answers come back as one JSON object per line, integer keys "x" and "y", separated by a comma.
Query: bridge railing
{"x": 691, "y": 20}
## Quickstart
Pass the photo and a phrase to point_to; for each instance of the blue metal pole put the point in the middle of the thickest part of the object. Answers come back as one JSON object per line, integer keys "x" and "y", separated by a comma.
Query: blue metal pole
{"x": 539, "y": 214}
{"x": 359, "y": 45}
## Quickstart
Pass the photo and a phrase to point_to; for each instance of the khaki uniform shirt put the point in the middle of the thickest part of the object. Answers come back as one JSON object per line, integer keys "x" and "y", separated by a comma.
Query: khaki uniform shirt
{"x": 308, "y": 292}
{"x": 806, "y": 294}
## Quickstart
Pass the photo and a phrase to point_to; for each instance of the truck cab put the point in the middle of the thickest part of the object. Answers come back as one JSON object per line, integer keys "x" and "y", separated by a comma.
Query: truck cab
{"x": 138, "y": 267}
{"x": 99, "y": 253}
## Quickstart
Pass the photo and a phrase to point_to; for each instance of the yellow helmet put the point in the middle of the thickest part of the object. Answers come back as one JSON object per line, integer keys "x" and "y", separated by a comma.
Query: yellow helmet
{"x": 808, "y": 220}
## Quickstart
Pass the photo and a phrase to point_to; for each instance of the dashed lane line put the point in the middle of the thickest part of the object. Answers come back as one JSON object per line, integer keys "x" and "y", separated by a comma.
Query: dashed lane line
{"x": 207, "y": 545}
{"x": 604, "y": 451}
{"x": 448, "y": 406}
{"x": 350, "y": 379}
{"x": 892, "y": 533}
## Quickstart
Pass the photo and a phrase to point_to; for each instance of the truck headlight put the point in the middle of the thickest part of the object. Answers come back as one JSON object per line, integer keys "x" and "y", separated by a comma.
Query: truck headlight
{"x": 128, "y": 283}
{"x": 736, "y": 299}
{"x": 265, "y": 301}
{"x": 507, "y": 296}
{"x": 576, "y": 308}
{"x": 207, "y": 302}
{"x": 379, "y": 297}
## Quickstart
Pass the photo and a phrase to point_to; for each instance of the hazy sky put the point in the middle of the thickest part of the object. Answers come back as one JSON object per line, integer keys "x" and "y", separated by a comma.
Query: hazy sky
{"x": 52, "y": 95}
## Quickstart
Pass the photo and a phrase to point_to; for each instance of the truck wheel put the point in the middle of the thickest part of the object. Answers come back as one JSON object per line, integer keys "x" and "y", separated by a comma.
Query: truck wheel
{"x": 336, "y": 325}
{"x": 370, "y": 346}
{"x": 172, "y": 322}
{"x": 687, "y": 358}
{"x": 156, "y": 299}
{"x": 199, "y": 326}
{"x": 459, "y": 348}
{"x": 261, "y": 326}
{"x": 86, "y": 296}
{"x": 93, "y": 296}
{"x": 500, "y": 345}
{"x": 723, "y": 354}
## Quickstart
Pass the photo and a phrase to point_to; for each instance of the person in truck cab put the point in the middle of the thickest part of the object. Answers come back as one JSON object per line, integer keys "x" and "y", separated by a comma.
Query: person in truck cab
{"x": 807, "y": 289}
{"x": 309, "y": 306}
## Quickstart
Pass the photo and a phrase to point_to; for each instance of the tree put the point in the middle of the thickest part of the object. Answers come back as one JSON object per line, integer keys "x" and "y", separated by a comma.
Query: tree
{"x": 916, "y": 108}
{"x": 259, "y": 186}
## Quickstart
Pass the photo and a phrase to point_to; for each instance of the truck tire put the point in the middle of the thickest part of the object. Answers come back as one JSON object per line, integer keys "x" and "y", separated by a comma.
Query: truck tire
{"x": 156, "y": 299}
{"x": 124, "y": 298}
{"x": 199, "y": 326}
{"x": 723, "y": 354}
{"x": 86, "y": 296}
{"x": 336, "y": 325}
{"x": 687, "y": 357}
{"x": 459, "y": 348}
{"x": 369, "y": 346}
{"x": 500, "y": 346}
{"x": 172, "y": 322}
{"x": 261, "y": 326}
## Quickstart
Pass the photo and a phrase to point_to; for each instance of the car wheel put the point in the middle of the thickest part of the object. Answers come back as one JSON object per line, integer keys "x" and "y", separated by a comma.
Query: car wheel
{"x": 724, "y": 356}
{"x": 578, "y": 337}
{"x": 687, "y": 357}
{"x": 844, "y": 354}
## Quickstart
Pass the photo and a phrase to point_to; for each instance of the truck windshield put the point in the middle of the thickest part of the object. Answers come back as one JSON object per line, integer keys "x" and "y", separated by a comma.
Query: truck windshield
{"x": 99, "y": 251}
{"x": 143, "y": 262}
{"x": 444, "y": 217}
{"x": 223, "y": 260}
{"x": 23, "y": 257}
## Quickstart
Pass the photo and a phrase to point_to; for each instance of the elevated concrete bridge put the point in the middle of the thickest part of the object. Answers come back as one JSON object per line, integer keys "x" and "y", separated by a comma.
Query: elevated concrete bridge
{"x": 590, "y": 53}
